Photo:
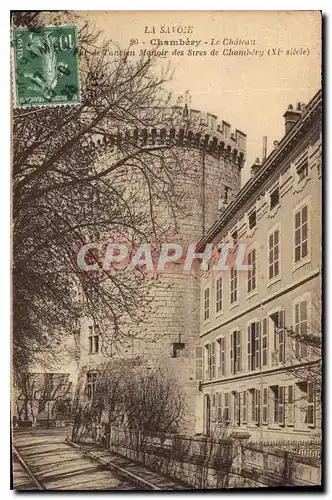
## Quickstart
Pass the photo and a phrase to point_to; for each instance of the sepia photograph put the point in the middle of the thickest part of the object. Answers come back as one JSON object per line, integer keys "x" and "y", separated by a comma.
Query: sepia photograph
{"x": 166, "y": 250}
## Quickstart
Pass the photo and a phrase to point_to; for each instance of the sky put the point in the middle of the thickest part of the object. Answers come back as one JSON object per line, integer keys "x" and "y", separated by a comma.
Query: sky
{"x": 249, "y": 92}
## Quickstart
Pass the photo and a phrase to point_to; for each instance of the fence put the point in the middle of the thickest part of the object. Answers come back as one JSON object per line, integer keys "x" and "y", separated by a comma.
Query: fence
{"x": 307, "y": 449}
{"x": 199, "y": 462}
{"x": 200, "y": 449}
{"x": 283, "y": 463}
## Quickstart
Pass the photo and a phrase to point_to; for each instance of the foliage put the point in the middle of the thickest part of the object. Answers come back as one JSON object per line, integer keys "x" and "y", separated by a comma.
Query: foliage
{"x": 78, "y": 175}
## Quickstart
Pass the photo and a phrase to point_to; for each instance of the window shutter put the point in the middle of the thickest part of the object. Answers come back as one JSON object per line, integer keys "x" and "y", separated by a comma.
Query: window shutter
{"x": 265, "y": 406}
{"x": 198, "y": 363}
{"x": 232, "y": 354}
{"x": 235, "y": 408}
{"x": 238, "y": 351}
{"x": 281, "y": 405}
{"x": 213, "y": 409}
{"x": 257, "y": 346}
{"x": 240, "y": 408}
{"x": 218, "y": 357}
{"x": 244, "y": 406}
{"x": 207, "y": 361}
{"x": 257, "y": 406}
{"x": 264, "y": 340}
{"x": 222, "y": 357}
{"x": 213, "y": 360}
{"x": 219, "y": 408}
{"x": 226, "y": 408}
{"x": 311, "y": 403}
{"x": 290, "y": 405}
{"x": 249, "y": 349}
{"x": 281, "y": 335}
{"x": 238, "y": 402}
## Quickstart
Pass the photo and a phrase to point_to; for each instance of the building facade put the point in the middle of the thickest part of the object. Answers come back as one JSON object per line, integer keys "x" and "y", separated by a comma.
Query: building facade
{"x": 258, "y": 362}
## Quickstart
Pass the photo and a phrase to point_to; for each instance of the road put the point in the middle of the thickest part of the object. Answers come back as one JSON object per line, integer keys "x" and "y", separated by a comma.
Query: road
{"x": 57, "y": 466}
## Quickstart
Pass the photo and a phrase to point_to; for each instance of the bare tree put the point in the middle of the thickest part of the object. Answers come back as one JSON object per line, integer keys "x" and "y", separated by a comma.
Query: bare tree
{"x": 154, "y": 400}
{"x": 39, "y": 392}
{"x": 130, "y": 395}
{"x": 305, "y": 347}
{"x": 105, "y": 168}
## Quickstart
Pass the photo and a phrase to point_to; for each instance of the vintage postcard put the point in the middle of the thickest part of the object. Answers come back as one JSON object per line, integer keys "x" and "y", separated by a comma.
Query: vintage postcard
{"x": 166, "y": 250}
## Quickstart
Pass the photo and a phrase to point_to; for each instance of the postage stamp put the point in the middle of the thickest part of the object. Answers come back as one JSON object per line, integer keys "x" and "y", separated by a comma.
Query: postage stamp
{"x": 46, "y": 66}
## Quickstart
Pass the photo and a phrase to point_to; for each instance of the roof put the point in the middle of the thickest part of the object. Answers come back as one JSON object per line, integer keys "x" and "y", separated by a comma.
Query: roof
{"x": 309, "y": 113}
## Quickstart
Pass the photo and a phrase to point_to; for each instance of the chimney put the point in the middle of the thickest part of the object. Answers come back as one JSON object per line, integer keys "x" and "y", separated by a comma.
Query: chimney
{"x": 292, "y": 116}
{"x": 264, "y": 148}
{"x": 255, "y": 167}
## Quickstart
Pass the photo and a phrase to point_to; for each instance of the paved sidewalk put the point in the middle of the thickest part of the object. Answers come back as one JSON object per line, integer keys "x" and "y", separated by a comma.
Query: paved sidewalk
{"x": 129, "y": 468}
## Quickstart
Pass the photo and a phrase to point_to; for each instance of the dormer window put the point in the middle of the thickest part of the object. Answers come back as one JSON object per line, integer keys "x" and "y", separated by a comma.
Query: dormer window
{"x": 274, "y": 197}
{"x": 252, "y": 219}
{"x": 234, "y": 236}
{"x": 302, "y": 168}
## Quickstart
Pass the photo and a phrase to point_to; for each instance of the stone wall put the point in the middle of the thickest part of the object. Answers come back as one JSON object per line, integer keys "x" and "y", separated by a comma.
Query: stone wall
{"x": 202, "y": 462}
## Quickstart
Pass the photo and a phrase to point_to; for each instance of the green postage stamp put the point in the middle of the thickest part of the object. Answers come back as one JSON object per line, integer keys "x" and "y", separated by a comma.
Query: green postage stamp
{"x": 46, "y": 66}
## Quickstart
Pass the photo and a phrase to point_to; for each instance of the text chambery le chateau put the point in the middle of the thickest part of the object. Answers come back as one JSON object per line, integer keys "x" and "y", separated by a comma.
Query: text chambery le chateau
{"x": 183, "y": 43}
{"x": 180, "y": 40}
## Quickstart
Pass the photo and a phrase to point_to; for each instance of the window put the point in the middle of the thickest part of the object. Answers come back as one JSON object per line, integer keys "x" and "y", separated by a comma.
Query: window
{"x": 274, "y": 254}
{"x": 257, "y": 416}
{"x": 252, "y": 219}
{"x": 290, "y": 406}
{"x": 311, "y": 404}
{"x": 213, "y": 360}
{"x": 214, "y": 408}
{"x": 264, "y": 332}
{"x": 236, "y": 406}
{"x": 94, "y": 334}
{"x": 221, "y": 343}
{"x": 199, "y": 363}
{"x": 252, "y": 272}
{"x": 302, "y": 169}
{"x": 301, "y": 329}
{"x": 265, "y": 406}
{"x": 279, "y": 404}
{"x": 236, "y": 352}
{"x": 301, "y": 234}
{"x": 244, "y": 407}
{"x": 206, "y": 304}
{"x": 234, "y": 296}
{"x": 210, "y": 361}
{"x": 281, "y": 401}
{"x": 207, "y": 361}
{"x": 219, "y": 408}
{"x": 274, "y": 197}
{"x": 219, "y": 295}
{"x": 278, "y": 322}
{"x": 226, "y": 408}
{"x": 253, "y": 404}
{"x": 91, "y": 378}
{"x": 254, "y": 348}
